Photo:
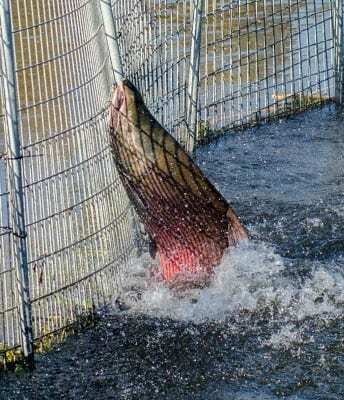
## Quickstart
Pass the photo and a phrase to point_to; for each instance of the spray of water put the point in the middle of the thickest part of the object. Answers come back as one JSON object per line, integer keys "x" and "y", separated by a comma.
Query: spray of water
{"x": 252, "y": 279}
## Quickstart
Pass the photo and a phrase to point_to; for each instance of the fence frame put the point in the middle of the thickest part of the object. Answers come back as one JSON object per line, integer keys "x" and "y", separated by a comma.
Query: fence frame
{"x": 117, "y": 66}
{"x": 16, "y": 185}
{"x": 193, "y": 77}
{"x": 338, "y": 34}
{"x": 111, "y": 36}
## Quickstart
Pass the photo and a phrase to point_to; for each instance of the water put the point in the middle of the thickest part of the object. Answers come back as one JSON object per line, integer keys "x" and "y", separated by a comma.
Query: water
{"x": 53, "y": 88}
{"x": 270, "y": 324}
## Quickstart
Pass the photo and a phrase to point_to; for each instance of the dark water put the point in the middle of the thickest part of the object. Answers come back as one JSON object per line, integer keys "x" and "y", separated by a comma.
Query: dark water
{"x": 286, "y": 180}
{"x": 270, "y": 326}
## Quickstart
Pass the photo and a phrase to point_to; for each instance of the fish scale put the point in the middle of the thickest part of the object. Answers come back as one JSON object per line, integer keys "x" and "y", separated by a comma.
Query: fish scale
{"x": 189, "y": 221}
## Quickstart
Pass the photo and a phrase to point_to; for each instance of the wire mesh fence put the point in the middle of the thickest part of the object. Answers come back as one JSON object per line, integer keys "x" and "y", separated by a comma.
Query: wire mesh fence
{"x": 78, "y": 227}
{"x": 154, "y": 39}
{"x": 265, "y": 58}
{"x": 258, "y": 59}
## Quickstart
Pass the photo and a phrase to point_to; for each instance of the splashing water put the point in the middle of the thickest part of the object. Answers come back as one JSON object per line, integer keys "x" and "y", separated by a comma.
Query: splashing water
{"x": 269, "y": 325}
{"x": 252, "y": 278}
{"x": 288, "y": 271}
{"x": 270, "y": 321}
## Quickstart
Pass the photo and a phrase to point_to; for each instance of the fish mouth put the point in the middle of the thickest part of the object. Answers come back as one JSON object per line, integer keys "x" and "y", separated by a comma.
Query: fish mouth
{"x": 117, "y": 107}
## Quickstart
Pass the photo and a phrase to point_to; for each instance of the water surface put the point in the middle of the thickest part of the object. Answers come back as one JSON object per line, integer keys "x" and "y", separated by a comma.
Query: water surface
{"x": 270, "y": 324}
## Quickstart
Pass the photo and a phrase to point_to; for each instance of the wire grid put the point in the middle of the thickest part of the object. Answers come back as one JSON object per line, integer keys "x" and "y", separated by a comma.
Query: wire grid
{"x": 264, "y": 58}
{"x": 154, "y": 38}
{"x": 259, "y": 59}
{"x": 78, "y": 224}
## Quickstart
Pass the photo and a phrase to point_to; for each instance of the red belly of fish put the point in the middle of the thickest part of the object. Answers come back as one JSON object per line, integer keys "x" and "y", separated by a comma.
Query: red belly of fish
{"x": 186, "y": 262}
{"x": 193, "y": 255}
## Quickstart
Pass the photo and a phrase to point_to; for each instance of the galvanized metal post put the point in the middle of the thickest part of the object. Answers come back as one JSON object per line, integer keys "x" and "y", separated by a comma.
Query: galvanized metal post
{"x": 193, "y": 78}
{"x": 111, "y": 36}
{"x": 16, "y": 196}
{"x": 339, "y": 50}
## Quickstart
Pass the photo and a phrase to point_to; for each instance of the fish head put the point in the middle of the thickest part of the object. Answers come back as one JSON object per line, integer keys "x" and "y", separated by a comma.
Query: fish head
{"x": 124, "y": 105}
{"x": 117, "y": 106}
{"x": 130, "y": 125}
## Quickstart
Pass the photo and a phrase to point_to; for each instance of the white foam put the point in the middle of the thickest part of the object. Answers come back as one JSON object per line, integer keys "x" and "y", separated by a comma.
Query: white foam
{"x": 339, "y": 210}
{"x": 314, "y": 222}
{"x": 287, "y": 336}
{"x": 251, "y": 278}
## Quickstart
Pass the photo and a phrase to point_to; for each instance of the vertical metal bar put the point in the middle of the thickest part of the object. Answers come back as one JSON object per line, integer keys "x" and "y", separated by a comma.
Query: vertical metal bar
{"x": 193, "y": 78}
{"x": 17, "y": 211}
{"x": 339, "y": 51}
{"x": 327, "y": 48}
{"x": 111, "y": 36}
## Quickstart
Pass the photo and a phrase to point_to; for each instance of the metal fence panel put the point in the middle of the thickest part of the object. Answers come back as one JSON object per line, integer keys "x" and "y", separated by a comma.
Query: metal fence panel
{"x": 259, "y": 59}
{"x": 154, "y": 38}
{"x": 264, "y": 58}
{"x": 78, "y": 225}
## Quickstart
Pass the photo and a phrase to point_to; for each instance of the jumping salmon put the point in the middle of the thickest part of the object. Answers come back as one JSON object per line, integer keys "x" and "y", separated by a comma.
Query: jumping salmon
{"x": 188, "y": 221}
